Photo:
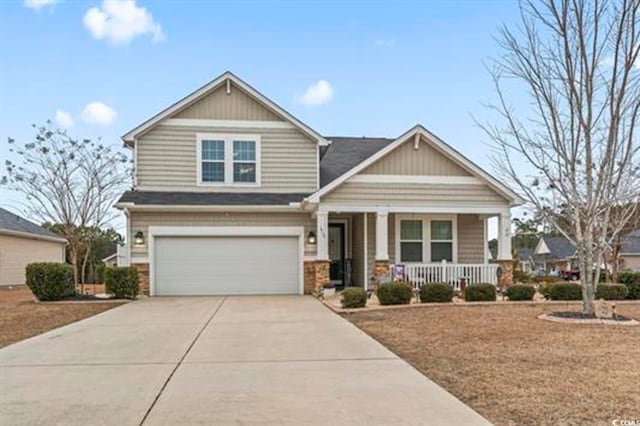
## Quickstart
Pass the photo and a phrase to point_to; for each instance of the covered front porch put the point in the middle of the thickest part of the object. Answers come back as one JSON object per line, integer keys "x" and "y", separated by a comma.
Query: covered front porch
{"x": 366, "y": 246}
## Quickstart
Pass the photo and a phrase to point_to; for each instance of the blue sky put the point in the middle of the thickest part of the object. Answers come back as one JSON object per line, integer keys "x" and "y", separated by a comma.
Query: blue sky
{"x": 389, "y": 65}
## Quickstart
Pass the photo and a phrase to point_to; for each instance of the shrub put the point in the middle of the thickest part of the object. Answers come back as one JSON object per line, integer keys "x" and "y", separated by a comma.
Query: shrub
{"x": 547, "y": 279}
{"x": 611, "y": 291}
{"x": 522, "y": 277}
{"x": 354, "y": 297}
{"x": 122, "y": 282}
{"x": 521, "y": 292}
{"x": 101, "y": 270}
{"x": 437, "y": 292}
{"x": 632, "y": 281}
{"x": 480, "y": 293}
{"x": 565, "y": 291}
{"x": 50, "y": 281}
{"x": 394, "y": 293}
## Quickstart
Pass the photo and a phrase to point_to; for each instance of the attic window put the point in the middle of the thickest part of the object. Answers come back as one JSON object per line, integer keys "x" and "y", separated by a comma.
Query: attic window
{"x": 228, "y": 160}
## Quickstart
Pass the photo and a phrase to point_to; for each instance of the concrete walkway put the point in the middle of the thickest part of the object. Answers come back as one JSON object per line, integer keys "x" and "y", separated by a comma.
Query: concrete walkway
{"x": 272, "y": 360}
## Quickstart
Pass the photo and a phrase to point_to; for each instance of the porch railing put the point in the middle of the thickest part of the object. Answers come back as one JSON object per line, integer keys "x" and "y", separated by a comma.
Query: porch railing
{"x": 454, "y": 274}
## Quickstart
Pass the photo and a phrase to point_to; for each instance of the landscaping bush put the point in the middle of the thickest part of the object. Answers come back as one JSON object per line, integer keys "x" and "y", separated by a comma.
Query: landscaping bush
{"x": 480, "y": 293}
{"x": 632, "y": 281}
{"x": 122, "y": 282}
{"x": 522, "y": 277}
{"x": 101, "y": 270}
{"x": 394, "y": 293}
{"x": 565, "y": 291}
{"x": 436, "y": 293}
{"x": 546, "y": 279}
{"x": 50, "y": 281}
{"x": 354, "y": 297}
{"x": 521, "y": 292}
{"x": 611, "y": 291}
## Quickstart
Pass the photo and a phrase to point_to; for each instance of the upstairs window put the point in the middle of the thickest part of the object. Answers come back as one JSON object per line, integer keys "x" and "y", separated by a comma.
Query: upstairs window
{"x": 228, "y": 160}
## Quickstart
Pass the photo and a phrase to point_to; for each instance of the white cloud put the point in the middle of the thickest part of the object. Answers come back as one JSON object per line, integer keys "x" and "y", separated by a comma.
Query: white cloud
{"x": 317, "y": 94}
{"x": 63, "y": 119}
{"x": 99, "y": 113}
{"x": 39, "y": 4}
{"x": 120, "y": 21}
{"x": 386, "y": 42}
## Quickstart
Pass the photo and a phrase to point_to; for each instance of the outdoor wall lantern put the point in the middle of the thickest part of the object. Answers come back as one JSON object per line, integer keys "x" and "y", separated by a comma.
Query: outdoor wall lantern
{"x": 138, "y": 238}
{"x": 311, "y": 237}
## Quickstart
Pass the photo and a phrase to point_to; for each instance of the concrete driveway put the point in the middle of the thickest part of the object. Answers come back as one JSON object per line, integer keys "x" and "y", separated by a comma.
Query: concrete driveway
{"x": 284, "y": 360}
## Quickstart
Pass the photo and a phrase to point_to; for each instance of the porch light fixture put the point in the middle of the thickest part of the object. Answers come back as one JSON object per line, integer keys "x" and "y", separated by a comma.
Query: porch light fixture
{"x": 311, "y": 237}
{"x": 138, "y": 238}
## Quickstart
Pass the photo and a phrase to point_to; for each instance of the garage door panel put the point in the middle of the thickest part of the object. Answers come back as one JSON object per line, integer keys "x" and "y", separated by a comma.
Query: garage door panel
{"x": 226, "y": 265}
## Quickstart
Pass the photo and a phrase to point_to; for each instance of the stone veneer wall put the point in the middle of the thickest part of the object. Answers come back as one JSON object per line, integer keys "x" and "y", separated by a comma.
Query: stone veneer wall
{"x": 316, "y": 274}
{"x": 143, "y": 274}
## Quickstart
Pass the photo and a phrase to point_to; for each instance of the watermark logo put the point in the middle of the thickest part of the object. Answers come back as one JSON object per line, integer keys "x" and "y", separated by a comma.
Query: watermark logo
{"x": 625, "y": 422}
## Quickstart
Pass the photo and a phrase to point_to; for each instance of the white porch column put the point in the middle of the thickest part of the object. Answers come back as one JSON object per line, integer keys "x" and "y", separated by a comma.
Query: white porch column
{"x": 322, "y": 232}
{"x": 382, "y": 239}
{"x": 504, "y": 236}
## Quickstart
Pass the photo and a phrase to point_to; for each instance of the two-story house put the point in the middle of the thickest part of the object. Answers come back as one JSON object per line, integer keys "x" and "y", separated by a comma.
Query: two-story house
{"x": 234, "y": 195}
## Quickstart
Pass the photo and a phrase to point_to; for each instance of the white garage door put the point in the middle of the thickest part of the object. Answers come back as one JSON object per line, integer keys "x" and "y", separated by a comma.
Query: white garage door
{"x": 227, "y": 265}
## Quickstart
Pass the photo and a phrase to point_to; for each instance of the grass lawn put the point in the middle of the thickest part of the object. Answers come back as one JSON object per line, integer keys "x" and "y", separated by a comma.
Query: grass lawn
{"x": 515, "y": 369}
{"x": 22, "y": 317}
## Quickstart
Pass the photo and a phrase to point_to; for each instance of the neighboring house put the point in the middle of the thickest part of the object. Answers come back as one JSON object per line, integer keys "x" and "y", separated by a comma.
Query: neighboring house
{"x": 23, "y": 242}
{"x": 111, "y": 260}
{"x": 554, "y": 253}
{"x": 523, "y": 255}
{"x": 234, "y": 195}
{"x": 120, "y": 257}
{"x": 630, "y": 251}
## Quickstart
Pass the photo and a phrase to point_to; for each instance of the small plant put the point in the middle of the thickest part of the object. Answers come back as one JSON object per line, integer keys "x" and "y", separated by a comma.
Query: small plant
{"x": 354, "y": 297}
{"x": 394, "y": 293}
{"x": 522, "y": 277}
{"x": 480, "y": 293}
{"x": 565, "y": 291}
{"x": 632, "y": 281}
{"x": 521, "y": 292}
{"x": 122, "y": 282}
{"x": 436, "y": 293}
{"x": 50, "y": 281}
{"x": 611, "y": 291}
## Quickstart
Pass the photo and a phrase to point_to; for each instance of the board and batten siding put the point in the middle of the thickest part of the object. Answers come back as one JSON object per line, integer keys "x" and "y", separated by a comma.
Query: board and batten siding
{"x": 414, "y": 194}
{"x": 405, "y": 160}
{"x": 140, "y": 221}
{"x": 471, "y": 243}
{"x": 220, "y": 105}
{"x": 167, "y": 159}
{"x": 17, "y": 252}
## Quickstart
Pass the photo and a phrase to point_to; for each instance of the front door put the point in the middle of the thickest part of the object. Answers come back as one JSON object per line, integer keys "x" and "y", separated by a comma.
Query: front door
{"x": 336, "y": 253}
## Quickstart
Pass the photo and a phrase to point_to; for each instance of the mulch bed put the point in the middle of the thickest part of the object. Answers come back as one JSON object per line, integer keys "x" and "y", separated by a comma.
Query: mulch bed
{"x": 580, "y": 315}
{"x": 515, "y": 369}
{"x": 22, "y": 317}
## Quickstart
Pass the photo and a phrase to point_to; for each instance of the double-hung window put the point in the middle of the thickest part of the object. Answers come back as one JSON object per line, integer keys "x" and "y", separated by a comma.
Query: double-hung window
{"x": 411, "y": 244}
{"x": 228, "y": 160}
{"x": 441, "y": 240}
{"x": 424, "y": 238}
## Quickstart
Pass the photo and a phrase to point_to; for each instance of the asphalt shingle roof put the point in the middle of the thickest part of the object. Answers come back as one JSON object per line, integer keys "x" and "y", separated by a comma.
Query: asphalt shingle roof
{"x": 559, "y": 246}
{"x": 210, "y": 198}
{"x": 12, "y": 222}
{"x": 344, "y": 153}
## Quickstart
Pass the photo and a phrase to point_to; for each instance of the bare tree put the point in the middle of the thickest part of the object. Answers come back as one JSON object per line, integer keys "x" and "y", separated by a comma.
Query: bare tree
{"x": 69, "y": 182}
{"x": 572, "y": 147}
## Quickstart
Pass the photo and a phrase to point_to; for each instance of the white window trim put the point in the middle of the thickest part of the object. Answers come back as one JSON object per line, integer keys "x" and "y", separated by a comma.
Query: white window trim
{"x": 426, "y": 234}
{"x": 228, "y": 139}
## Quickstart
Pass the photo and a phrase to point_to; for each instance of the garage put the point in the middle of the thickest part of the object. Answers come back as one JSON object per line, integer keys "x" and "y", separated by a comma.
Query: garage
{"x": 227, "y": 264}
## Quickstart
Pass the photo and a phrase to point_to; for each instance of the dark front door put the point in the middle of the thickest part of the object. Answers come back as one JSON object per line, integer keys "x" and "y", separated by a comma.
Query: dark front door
{"x": 336, "y": 253}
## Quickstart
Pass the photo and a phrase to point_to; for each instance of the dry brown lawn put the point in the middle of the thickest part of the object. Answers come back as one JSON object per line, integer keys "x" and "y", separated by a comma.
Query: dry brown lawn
{"x": 515, "y": 369}
{"x": 22, "y": 317}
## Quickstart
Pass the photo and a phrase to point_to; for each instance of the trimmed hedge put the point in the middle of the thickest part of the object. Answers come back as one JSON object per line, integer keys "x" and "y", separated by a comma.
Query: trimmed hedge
{"x": 354, "y": 297}
{"x": 611, "y": 291}
{"x": 50, "y": 281}
{"x": 122, "y": 282}
{"x": 521, "y": 292}
{"x": 632, "y": 281}
{"x": 565, "y": 291}
{"x": 436, "y": 293}
{"x": 480, "y": 293}
{"x": 393, "y": 293}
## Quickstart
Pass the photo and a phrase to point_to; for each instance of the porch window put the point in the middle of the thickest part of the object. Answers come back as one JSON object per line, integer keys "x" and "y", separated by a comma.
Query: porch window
{"x": 441, "y": 240}
{"x": 411, "y": 241}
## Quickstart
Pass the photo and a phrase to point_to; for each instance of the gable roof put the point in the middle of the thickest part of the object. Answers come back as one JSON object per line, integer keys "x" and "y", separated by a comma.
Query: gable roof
{"x": 12, "y": 224}
{"x": 345, "y": 153}
{"x": 447, "y": 150}
{"x": 559, "y": 247}
{"x": 130, "y": 136}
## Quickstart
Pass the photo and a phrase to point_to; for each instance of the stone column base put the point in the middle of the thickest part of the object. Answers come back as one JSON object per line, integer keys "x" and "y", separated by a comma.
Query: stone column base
{"x": 143, "y": 274}
{"x": 381, "y": 271}
{"x": 316, "y": 275}
{"x": 506, "y": 277}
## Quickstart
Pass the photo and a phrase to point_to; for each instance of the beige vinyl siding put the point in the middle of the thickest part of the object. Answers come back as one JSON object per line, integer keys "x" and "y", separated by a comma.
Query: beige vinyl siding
{"x": 17, "y": 252}
{"x": 412, "y": 194}
{"x": 140, "y": 221}
{"x": 222, "y": 106}
{"x": 631, "y": 262}
{"x": 167, "y": 160}
{"x": 405, "y": 160}
{"x": 471, "y": 244}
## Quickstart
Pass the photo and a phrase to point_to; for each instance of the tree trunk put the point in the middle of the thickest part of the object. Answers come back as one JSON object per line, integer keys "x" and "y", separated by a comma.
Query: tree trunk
{"x": 84, "y": 267}
{"x": 73, "y": 253}
{"x": 586, "y": 278}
